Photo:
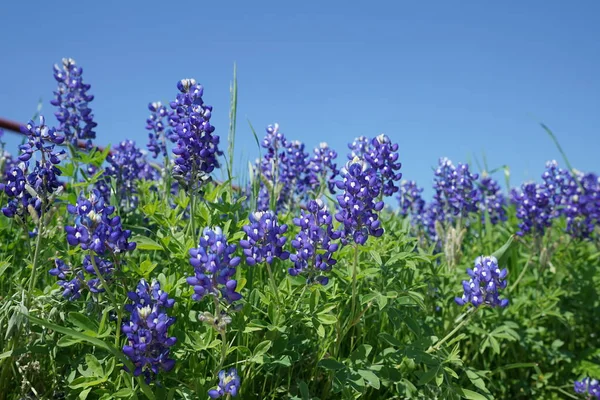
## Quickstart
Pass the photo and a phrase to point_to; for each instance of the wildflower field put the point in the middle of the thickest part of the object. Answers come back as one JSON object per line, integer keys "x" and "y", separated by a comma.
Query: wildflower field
{"x": 132, "y": 272}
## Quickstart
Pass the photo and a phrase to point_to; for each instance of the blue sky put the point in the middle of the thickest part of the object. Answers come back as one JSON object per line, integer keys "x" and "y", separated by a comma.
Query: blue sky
{"x": 457, "y": 79}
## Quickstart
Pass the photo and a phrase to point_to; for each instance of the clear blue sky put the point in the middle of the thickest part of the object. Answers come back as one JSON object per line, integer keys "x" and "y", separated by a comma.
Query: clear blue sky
{"x": 441, "y": 78}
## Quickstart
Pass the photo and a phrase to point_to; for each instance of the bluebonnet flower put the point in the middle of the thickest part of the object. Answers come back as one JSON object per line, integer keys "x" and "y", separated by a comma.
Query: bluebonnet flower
{"x": 73, "y": 281}
{"x": 576, "y": 196}
{"x": 148, "y": 342}
{"x": 157, "y": 143}
{"x": 323, "y": 168}
{"x": 410, "y": 199}
{"x": 265, "y": 239}
{"x": 74, "y": 115}
{"x": 359, "y": 147}
{"x": 358, "y": 203}
{"x": 196, "y": 147}
{"x": 492, "y": 200}
{"x": 534, "y": 208}
{"x": 383, "y": 157}
{"x": 214, "y": 267}
{"x": 582, "y": 207}
{"x": 314, "y": 243}
{"x": 126, "y": 165}
{"x": 229, "y": 384}
{"x": 487, "y": 279}
{"x": 588, "y": 386}
{"x": 31, "y": 190}
{"x": 94, "y": 227}
{"x": 455, "y": 192}
{"x": 284, "y": 171}
{"x": 70, "y": 281}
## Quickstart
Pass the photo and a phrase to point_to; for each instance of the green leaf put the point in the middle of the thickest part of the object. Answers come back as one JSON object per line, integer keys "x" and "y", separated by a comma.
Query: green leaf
{"x": 331, "y": 364}
{"x": 370, "y": 377}
{"x": 145, "y": 243}
{"x": 327, "y": 319}
{"x": 471, "y": 395}
{"x": 262, "y": 348}
{"x": 502, "y": 250}
{"x": 389, "y": 339}
{"x": 83, "y": 322}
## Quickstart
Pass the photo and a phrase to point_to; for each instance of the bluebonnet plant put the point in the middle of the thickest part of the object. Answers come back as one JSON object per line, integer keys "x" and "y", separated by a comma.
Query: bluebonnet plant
{"x": 229, "y": 384}
{"x": 535, "y": 208}
{"x": 95, "y": 229}
{"x": 214, "y": 267}
{"x": 383, "y": 157}
{"x": 148, "y": 342}
{"x": 455, "y": 192}
{"x": 126, "y": 164}
{"x": 196, "y": 146}
{"x": 587, "y": 386}
{"x": 73, "y": 281}
{"x": 314, "y": 244}
{"x": 411, "y": 201}
{"x": 284, "y": 171}
{"x": 359, "y": 147}
{"x": 358, "y": 203}
{"x": 74, "y": 115}
{"x": 157, "y": 143}
{"x": 491, "y": 200}
{"x": 323, "y": 168}
{"x": 486, "y": 281}
{"x": 264, "y": 239}
{"x": 33, "y": 190}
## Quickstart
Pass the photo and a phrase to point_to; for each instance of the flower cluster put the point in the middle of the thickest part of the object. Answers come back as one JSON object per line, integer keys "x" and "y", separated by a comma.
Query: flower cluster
{"x": 359, "y": 147}
{"x": 411, "y": 202}
{"x": 148, "y": 343}
{"x": 487, "y": 279}
{"x": 455, "y": 192}
{"x": 323, "y": 167}
{"x": 265, "y": 239}
{"x": 314, "y": 243}
{"x": 576, "y": 196}
{"x": 492, "y": 200}
{"x": 214, "y": 267}
{"x": 127, "y": 164}
{"x": 157, "y": 143}
{"x": 358, "y": 203}
{"x": 383, "y": 157}
{"x": 74, "y": 115}
{"x": 94, "y": 227}
{"x": 72, "y": 281}
{"x": 283, "y": 171}
{"x": 589, "y": 387}
{"x": 534, "y": 208}
{"x": 32, "y": 191}
{"x": 196, "y": 147}
{"x": 229, "y": 384}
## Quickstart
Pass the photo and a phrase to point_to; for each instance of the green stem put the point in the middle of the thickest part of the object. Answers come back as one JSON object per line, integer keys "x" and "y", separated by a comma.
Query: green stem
{"x": 273, "y": 285}
{"x": 354, "y": 273}
{"x": 439, "y": 343}
{"x": 36, "y": 254}
{"x": 521, "y": 275}
{"x": 110, "y": 296}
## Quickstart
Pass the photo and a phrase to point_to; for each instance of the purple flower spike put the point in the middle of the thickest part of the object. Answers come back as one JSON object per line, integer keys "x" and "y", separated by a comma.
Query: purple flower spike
{"x": 358, "y": 203}
{"x": 486, "y": 280}
{"x": 214, "y": 267}
{"x": 264, "y": 239}
{"x": 229, "y": 384}
{"x": 196, "y": 147}
{"x": 314, "y": 244}
{"x": 148, "y": 343}
{"x": 157, "y": 143}
{"x": 75, "y": 118}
